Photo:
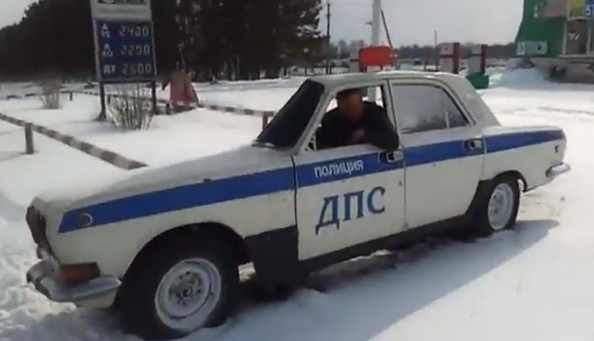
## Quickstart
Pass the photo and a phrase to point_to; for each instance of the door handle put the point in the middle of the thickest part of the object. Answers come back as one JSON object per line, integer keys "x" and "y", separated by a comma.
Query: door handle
{"x": 474, "y": 145}
{"x": 391, "y": 156}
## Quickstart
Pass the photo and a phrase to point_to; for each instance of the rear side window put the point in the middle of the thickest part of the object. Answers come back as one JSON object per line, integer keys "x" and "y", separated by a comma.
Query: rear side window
{"x": 421, "y": 108}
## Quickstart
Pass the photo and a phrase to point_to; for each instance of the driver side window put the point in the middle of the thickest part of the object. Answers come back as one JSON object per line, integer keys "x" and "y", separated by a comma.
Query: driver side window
{"x": 335, "y": 128}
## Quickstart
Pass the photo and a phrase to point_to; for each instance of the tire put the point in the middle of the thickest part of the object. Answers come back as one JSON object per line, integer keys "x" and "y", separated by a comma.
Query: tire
{"x": 503, "y": 196}
{"x": 147, "y": 306}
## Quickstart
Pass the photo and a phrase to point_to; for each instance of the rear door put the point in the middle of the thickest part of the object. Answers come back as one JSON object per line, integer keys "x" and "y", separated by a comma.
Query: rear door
{"x": 443, "y": 151}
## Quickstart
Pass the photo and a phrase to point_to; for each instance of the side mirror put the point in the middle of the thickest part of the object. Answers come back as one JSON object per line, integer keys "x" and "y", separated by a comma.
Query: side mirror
{"x": 365, "y": 92}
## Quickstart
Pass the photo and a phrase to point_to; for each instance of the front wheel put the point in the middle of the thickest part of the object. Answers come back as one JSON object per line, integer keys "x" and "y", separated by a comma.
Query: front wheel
{"x": 499, "y": 208}
{"x": 180, "y": 289}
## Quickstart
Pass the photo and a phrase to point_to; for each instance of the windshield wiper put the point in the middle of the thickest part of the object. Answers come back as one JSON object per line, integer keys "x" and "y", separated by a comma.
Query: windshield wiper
{"x": 263, "y": 144}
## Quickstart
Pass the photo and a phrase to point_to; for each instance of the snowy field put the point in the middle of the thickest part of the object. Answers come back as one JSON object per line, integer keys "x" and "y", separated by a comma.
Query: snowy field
{"x": 534, "y": 283}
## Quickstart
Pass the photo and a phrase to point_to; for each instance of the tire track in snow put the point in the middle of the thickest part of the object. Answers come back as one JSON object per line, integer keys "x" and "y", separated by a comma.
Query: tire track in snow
{"x": 15, "y": 257}
{"x": 26, "y": 314}
{"x": 9, "y": 210}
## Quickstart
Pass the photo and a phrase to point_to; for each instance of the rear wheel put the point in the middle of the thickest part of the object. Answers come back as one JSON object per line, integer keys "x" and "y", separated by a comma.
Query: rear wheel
{"x": 499, "y": 207}
{"x": 182, "y": 288}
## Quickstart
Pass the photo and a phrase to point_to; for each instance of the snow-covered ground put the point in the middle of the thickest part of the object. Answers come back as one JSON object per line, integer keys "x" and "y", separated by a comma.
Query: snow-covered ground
{"x": 534, "y": 283}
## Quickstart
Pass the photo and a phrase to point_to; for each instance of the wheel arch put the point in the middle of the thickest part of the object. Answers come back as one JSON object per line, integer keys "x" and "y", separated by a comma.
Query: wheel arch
{"x": 515, "y": 174}
{"x": 221, "y": 232}
{"x": 483, "y": 186}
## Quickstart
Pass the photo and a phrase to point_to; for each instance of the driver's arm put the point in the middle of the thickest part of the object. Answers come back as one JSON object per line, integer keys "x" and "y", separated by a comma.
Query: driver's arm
{"x": 379, "y": 131}
{"x": 327, "y": 136}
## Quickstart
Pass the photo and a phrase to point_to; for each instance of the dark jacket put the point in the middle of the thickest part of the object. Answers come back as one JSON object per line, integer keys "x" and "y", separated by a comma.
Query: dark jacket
{"x": 336, "y": 129}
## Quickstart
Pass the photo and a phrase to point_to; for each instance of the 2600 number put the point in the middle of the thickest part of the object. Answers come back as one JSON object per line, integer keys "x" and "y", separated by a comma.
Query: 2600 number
{"x": 137, "y": 69}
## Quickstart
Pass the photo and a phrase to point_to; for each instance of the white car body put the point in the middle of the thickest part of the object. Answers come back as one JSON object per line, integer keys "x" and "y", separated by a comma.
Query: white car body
{"x": 292, "y": 209}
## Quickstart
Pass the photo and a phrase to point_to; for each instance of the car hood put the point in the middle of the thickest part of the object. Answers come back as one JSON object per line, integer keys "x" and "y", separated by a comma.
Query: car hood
{"x": 237, "y": 161}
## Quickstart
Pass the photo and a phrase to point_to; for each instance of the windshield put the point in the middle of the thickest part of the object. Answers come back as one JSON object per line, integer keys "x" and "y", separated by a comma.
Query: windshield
{"x": 288, "y": 124}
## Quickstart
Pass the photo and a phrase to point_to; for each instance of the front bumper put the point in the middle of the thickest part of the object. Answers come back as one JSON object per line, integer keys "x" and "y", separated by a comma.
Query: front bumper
{"x": 557, "y": 170}
{"x": 43, "y": 278}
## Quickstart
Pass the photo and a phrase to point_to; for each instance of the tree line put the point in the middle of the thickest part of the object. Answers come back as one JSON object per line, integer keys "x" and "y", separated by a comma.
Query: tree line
{"x": 229, "y": 39}
{"x": 341, "y": 50}
{"x": 222, "y": 38}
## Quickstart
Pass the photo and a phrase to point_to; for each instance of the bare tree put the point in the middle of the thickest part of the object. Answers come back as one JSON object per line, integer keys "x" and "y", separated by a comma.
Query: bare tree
{"x": 50, "y": 93}
{"x": 131, "y": 107}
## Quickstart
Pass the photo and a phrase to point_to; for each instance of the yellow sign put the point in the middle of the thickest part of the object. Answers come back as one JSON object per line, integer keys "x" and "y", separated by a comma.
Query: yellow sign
{"x": 576, "y": 9}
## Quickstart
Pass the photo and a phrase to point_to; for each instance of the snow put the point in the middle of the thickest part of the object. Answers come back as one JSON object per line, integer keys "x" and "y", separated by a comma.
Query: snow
{"x": 533, "y": 283}
{"x": 171, "y": 139}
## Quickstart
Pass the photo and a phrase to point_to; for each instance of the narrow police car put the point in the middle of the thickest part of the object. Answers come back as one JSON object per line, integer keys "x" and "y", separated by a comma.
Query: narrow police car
{"x": 163, "y": 245}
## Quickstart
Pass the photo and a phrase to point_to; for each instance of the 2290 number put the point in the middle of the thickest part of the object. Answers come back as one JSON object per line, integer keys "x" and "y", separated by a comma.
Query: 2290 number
{"x": 135, "y": 50}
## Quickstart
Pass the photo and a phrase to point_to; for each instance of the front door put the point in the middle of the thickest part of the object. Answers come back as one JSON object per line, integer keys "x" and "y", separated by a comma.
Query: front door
{"x": 347, "y": 196}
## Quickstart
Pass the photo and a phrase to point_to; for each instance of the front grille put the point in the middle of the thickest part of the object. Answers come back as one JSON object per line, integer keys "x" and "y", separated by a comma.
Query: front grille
{"x": 37, "y": 225}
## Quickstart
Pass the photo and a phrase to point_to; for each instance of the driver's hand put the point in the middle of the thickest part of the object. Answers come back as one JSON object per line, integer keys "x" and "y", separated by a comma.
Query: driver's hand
{"x": 358, "y": 136}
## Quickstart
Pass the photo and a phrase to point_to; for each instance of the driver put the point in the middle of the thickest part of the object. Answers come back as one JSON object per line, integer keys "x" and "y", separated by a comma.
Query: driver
{"x": 355, "y": 121}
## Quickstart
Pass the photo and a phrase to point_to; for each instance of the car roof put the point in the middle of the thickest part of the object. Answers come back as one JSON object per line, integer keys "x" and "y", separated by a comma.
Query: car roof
{"x": 338, "y": 80}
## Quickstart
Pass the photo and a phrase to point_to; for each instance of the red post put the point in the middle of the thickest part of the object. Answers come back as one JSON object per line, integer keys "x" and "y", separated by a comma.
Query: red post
{"x": 456, "y": 56}
{"x": 483, "y": 58}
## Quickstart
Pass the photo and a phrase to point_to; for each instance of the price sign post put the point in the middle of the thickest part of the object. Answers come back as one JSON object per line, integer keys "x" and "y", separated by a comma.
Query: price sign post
{"x": 126, "y": 52}
{"x": 124, "y": 45}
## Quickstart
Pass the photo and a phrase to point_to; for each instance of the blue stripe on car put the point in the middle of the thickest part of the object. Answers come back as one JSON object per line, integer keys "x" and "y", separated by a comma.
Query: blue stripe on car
{"x": 284, "y": 179}
{"x": 500, "y": 143}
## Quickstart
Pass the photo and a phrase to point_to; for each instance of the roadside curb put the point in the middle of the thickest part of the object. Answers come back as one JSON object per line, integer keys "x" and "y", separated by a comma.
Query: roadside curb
{"x": 85, "y": 147}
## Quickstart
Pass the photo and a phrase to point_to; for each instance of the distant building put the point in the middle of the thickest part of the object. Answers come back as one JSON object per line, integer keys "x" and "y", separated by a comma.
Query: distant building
{"x": 558, "y": 37}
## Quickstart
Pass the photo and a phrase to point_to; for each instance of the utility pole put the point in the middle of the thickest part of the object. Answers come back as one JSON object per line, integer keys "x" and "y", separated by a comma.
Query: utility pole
{"x": 328, "y": 52}
{"x": 376, "y": 17}
{"x": 376, "y": 22}
{"x": 436, "y": 52}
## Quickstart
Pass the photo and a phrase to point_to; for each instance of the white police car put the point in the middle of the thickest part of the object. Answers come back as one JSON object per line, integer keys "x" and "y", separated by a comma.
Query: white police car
{"x": 164, "y": 245}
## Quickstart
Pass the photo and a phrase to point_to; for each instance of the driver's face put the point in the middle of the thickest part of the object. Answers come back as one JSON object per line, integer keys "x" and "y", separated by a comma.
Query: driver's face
{"x": 351, "y": 106}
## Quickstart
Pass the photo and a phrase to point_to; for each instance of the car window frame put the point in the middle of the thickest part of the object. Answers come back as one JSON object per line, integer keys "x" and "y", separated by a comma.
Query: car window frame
{"x": 292, "y": 149}
{"x": 329, "y": 95}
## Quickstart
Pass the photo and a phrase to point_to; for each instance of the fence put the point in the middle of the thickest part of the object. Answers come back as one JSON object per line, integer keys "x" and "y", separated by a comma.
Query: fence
{"x": 105, "y": 155}
{"x": 264, "y": 114}
{"x": 85, "y": 147}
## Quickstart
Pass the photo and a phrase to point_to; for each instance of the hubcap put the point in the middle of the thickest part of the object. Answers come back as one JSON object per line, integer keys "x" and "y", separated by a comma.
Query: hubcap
{"x": 501, "y": 206}
{"x": 187, "y": 294}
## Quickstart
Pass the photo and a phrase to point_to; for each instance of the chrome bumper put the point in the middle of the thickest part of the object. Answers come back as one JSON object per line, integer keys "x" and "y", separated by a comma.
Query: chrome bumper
{"x": 43, "y": 279}
{"x": 557, "y": 170}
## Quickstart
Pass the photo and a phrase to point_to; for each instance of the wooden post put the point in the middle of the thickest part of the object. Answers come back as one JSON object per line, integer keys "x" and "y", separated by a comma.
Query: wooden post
{"x": 29, "y": 147}
{"x": 264, "y": 121}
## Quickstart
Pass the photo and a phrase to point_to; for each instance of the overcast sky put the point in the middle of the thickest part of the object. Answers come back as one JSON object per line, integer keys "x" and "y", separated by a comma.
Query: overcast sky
{"x": 481, "y": 21}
